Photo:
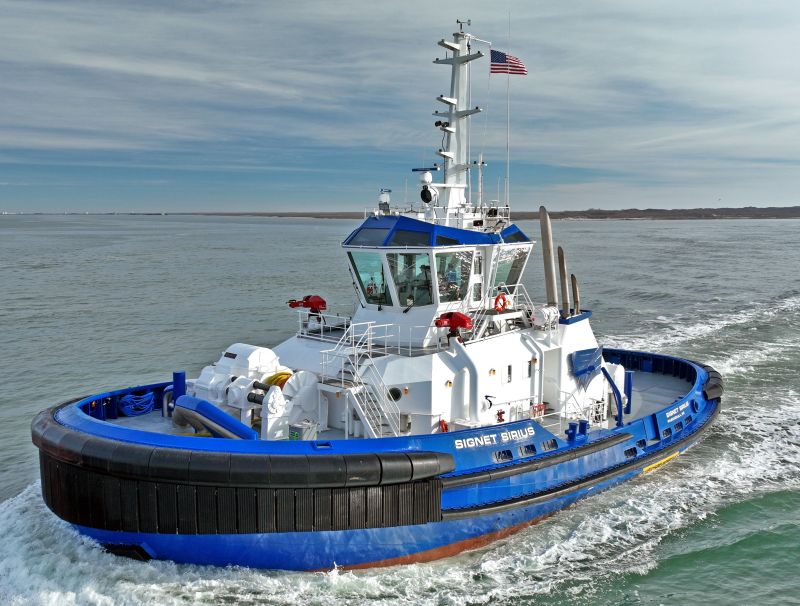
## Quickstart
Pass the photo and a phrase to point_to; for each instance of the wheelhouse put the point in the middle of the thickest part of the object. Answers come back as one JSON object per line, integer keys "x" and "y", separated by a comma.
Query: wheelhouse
{"x": 402, "y": 265}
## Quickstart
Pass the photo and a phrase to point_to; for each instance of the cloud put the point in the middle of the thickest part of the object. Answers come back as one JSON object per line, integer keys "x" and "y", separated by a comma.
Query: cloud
{"x": 622, "y": 96}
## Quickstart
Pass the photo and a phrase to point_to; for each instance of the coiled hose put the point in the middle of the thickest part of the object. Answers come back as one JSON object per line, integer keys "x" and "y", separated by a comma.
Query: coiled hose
{"x": 279, "y": 378}
{"x": 133, "y": 405}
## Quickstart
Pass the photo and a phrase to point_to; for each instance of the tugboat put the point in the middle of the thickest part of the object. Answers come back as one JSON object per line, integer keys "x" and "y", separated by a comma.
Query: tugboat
{"x": 449, "y": 410}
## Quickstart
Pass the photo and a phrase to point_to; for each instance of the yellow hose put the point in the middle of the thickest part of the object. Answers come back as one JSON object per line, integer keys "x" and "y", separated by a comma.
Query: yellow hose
{"x": 279, "y": 378}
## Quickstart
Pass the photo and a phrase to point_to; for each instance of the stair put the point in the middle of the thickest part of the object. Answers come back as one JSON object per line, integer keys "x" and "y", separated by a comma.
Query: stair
{"x": 350, "y": 367}
{"x": 371, "y": 413}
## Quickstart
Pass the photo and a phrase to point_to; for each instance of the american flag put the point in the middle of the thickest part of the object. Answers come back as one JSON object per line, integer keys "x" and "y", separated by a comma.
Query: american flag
{"x": 503, "y": 63}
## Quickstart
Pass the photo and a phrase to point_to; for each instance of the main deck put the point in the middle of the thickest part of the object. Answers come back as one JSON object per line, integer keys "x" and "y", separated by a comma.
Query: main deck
{"x": 651, "y": 393}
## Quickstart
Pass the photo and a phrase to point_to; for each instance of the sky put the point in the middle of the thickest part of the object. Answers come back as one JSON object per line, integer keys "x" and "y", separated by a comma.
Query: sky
{"x": 316, "y": 105}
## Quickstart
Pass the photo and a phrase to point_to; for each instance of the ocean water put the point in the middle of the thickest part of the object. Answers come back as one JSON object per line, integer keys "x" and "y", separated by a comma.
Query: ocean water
{"x": 88, "y": 303}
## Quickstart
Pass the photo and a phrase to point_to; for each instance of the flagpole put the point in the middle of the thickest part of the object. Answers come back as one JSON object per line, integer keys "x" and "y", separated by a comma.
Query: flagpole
{"x": 504, "y": 63}
{"x": 508, "y": 121}
{"x": 508, "y": 136}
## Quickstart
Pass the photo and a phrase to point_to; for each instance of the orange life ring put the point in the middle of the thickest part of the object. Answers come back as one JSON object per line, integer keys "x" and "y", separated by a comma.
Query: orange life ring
{"x": 500, "y": 303}
{"x": 443, "y": 426}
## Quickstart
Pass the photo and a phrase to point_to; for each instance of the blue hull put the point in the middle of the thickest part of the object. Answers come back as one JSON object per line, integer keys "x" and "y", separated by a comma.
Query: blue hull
{"x": 358, "y": 548}
{"x": 345, "y": 548}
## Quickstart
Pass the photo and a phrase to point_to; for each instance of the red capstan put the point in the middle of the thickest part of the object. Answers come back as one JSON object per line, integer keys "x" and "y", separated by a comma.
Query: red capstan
{"x": 313, "y": 302}
{"x": 454, "y": 320}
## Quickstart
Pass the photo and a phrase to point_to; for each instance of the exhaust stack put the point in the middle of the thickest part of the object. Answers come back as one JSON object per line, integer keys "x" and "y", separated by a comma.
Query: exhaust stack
{"x": 576, "y": 294}
{"x": 547, "y": 255}
{"x": 562, "y": 274}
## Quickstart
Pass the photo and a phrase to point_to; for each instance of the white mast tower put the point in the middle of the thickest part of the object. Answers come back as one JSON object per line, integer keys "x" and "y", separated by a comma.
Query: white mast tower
{"x": 451, "y": 208}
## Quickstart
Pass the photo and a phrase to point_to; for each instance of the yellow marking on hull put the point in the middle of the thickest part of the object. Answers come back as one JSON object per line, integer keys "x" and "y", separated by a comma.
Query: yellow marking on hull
{"x": 661, "y": 462}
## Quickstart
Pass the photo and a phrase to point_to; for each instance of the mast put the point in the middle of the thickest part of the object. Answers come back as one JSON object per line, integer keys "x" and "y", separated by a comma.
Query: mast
{"x": 454, "y": 124}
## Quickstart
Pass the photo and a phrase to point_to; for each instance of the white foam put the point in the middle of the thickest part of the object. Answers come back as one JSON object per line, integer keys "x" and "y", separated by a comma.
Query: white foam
{"x": 683, "y": 328}
{"x": 754, "y": 356}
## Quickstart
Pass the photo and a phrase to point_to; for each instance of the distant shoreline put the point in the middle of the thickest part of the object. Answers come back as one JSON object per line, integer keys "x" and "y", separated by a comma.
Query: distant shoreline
{"x": 749, "y": 212}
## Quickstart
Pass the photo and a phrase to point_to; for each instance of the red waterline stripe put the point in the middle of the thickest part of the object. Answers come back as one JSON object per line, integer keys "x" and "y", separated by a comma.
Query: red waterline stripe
{"x": 452, "y": 549}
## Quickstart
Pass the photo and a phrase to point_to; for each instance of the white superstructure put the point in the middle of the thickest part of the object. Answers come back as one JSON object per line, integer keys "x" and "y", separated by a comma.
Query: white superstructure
{"x": 444, "y": 334}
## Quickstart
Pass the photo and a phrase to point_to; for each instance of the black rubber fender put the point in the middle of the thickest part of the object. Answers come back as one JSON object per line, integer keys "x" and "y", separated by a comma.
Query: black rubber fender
{"x": 395, "y": 467}
{"x": 714, "y": 386}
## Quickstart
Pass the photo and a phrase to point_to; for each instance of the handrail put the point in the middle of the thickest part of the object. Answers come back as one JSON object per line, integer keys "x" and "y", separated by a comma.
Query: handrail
{"x": 557, "y": 419}
{"x": 324, "y": 323}
{"x": 389, "y": 407}
{"x": 356, "y": 347}
{"x": 560, "y": 418}
{"x": 340, "y": 329}
{"x": 518, "y": 301}
{"x": 501, "y": 212}
{"x": 566, "y": 397}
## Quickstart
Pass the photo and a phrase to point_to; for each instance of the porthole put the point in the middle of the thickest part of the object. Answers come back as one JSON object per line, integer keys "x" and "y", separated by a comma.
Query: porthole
{"x": 501, "y": 456}
{"x": 550, "y": 444}
{"x": 395, "y": 393}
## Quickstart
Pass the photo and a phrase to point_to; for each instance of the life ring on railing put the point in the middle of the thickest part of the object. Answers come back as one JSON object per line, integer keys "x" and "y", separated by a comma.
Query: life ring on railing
{"x": 500, "y": 303}
{"x": 443, "y": 426}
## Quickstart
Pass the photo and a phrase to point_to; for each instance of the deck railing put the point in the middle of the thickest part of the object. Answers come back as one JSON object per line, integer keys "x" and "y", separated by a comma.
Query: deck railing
{"x": 494, "y": 211}
{"x": 351, "y": 362}
{"x": 407, "y": 340}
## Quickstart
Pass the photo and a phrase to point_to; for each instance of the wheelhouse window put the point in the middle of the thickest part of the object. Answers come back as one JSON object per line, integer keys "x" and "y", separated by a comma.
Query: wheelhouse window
{"x": 452, "y": 272}
{"x": 411, "y": 273}
{"x": 516, "y": 236}
{"x": 403, "y": 237}
{"x": 510, "y": 265}
{"x": 369, "y": 236}
{"x": 369, "y": 272}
